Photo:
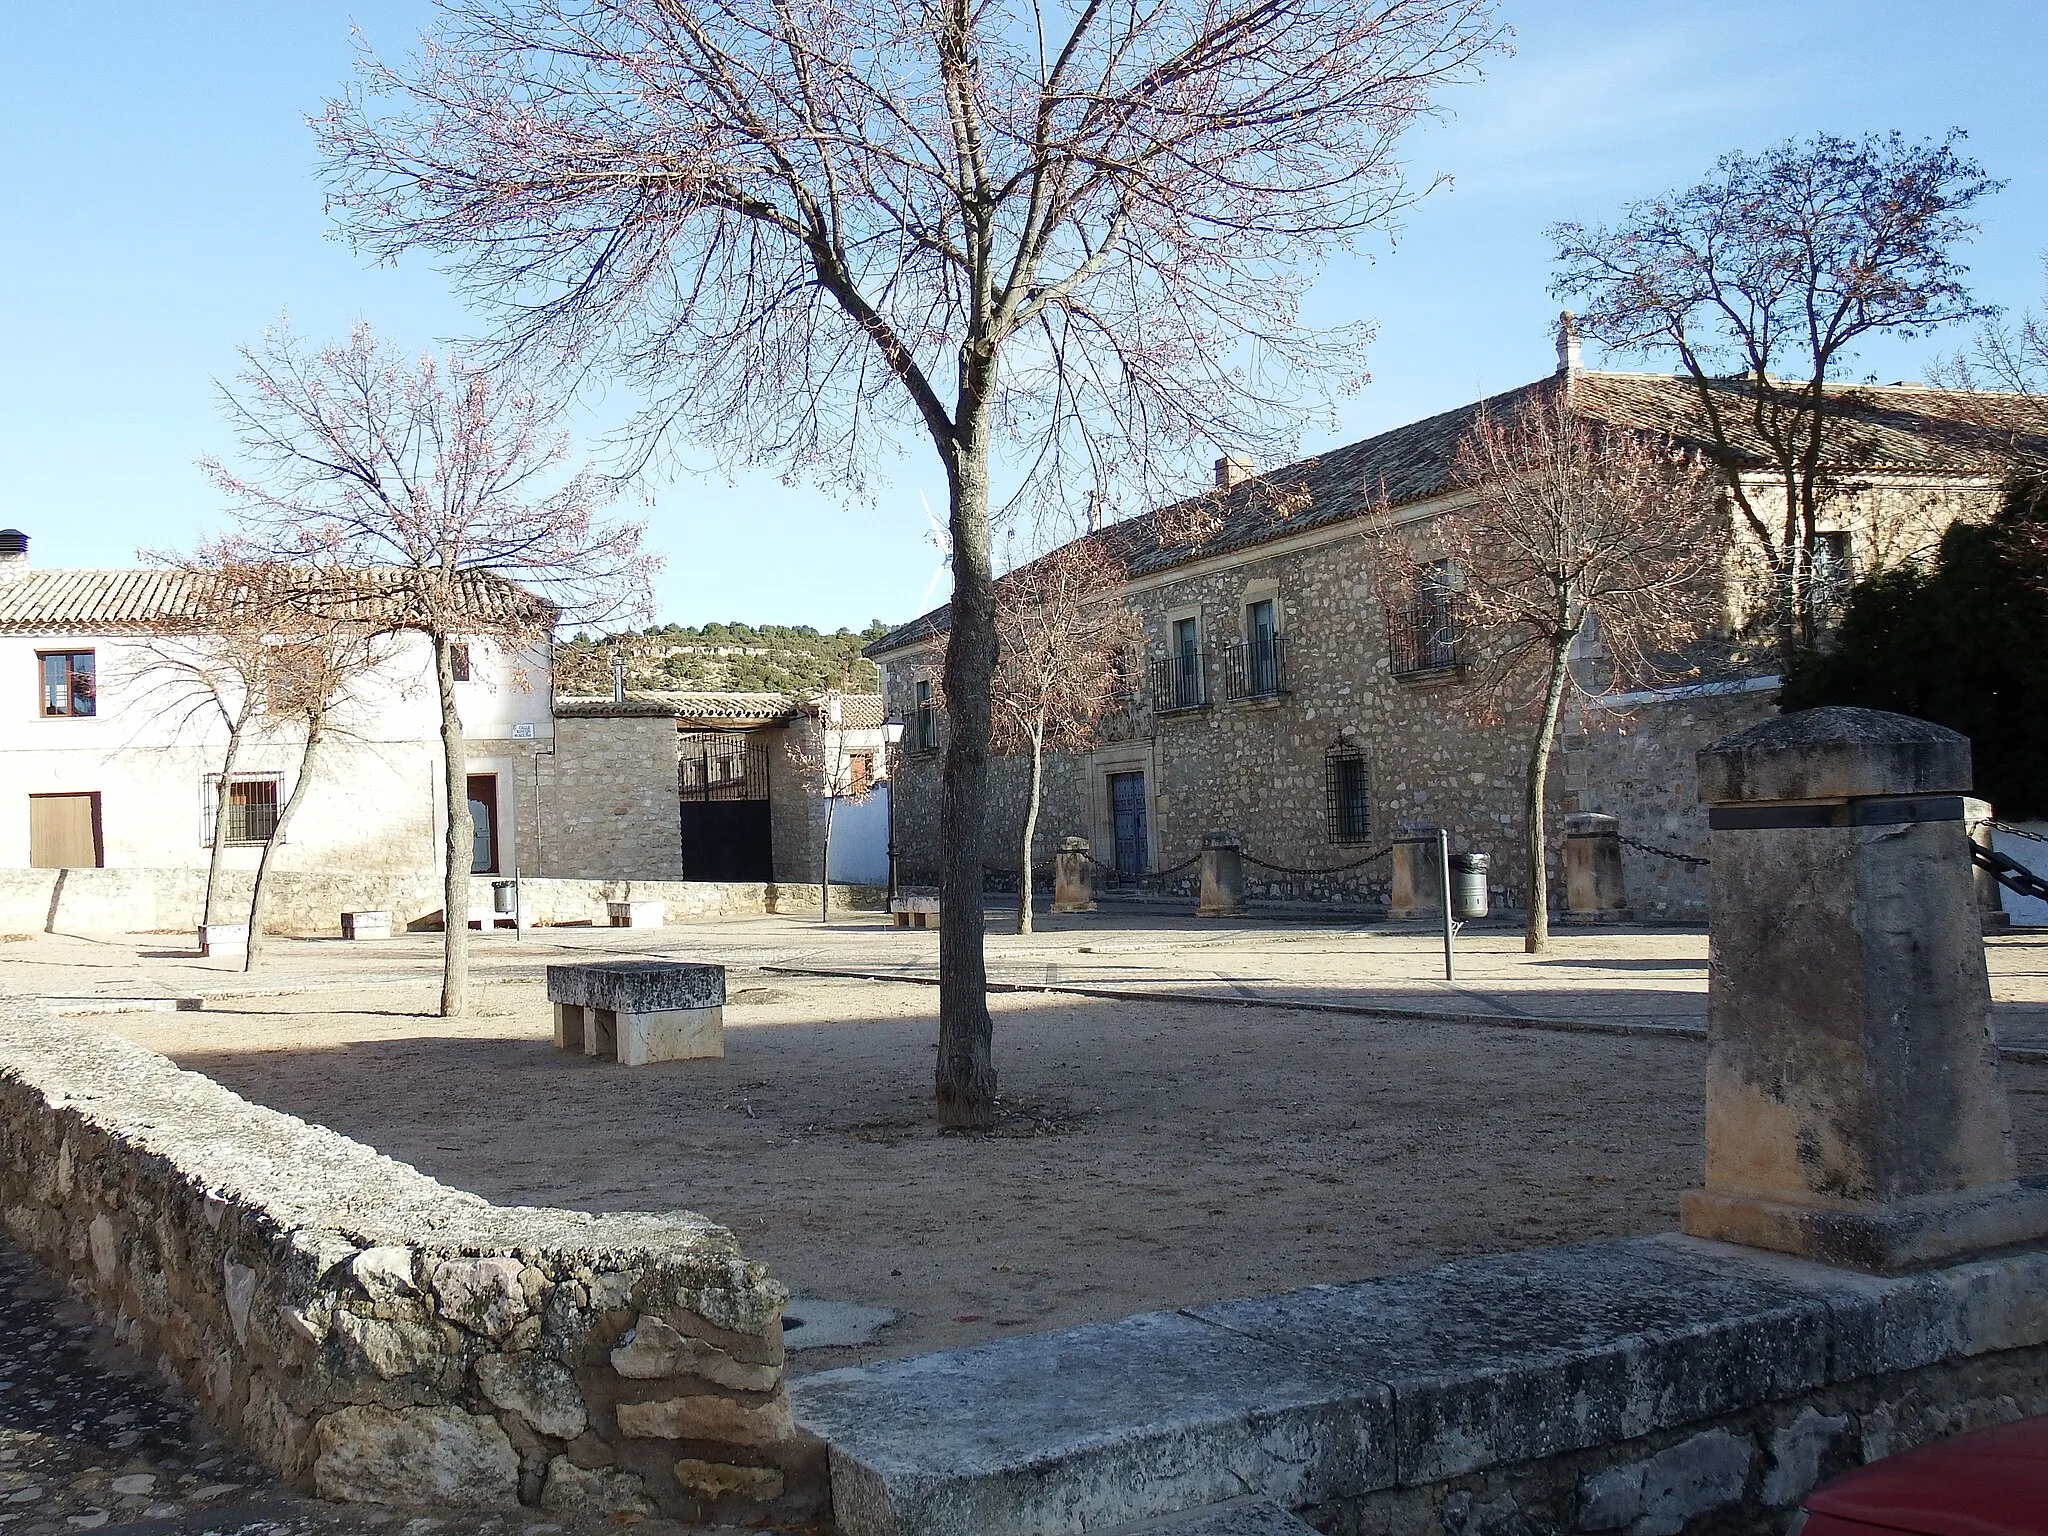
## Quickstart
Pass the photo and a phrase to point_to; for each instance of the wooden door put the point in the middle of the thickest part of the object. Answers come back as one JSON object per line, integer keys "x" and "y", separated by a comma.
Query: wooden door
{"x": 1127, "y": 814}
{"x": 64, "y": 831}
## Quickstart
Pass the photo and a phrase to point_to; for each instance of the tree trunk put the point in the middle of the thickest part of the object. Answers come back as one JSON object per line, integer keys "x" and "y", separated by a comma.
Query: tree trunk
{"x": 223, "y": 795}
{"x": 459, "y": 841}
{"x": 284, "y": 820}
{"x": 965, "y": 1085}
{"x": 1030, "y": 831}
{"x": 1536, "y": 925}
{"x": 825, "y": 862}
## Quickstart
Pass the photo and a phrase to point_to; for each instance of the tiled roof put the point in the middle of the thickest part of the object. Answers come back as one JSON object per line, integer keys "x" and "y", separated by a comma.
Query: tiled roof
{"x": 132, "y": 601}
{"x": 690, "y": 704}
{"x": 1902, "y": 428}
{"x": 858, "y": 711}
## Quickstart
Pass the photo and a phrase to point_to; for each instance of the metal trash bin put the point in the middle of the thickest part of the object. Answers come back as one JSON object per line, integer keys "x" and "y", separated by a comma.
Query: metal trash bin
{"x": 505, "y": 897}
{"x": 1468, "y": 885}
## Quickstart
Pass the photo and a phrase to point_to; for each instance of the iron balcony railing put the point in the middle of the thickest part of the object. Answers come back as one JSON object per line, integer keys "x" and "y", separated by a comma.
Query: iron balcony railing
{"x": 1255, "y": 669}
{"x": 1428, "y": 637}
{"x": 1178, "y": 681}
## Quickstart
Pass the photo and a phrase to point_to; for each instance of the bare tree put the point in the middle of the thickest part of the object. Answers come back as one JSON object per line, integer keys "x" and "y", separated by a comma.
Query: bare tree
{"x": 801, "y": 227}
{"x": 826, "y": 770}
{"x": 204, "y": 661}
{"x": 434, "y": 484}
{"x": 2007, "y": 373}
{"x": 1761, "y": 281}
{"x": 1575, "y": 531}
{"x": 317, "y": 662}
{"x": 1063, "y": 633}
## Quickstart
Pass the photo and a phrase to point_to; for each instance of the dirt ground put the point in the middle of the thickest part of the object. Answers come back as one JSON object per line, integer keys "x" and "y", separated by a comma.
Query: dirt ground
{"x": 1150, "y": 1154}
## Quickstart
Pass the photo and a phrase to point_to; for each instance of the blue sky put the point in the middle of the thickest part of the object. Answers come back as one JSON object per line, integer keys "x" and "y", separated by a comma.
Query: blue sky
{"x": 160, "y": 208}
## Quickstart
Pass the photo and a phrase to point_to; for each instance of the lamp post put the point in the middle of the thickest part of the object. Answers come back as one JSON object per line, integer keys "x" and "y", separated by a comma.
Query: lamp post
{"x": 892, "y": 733}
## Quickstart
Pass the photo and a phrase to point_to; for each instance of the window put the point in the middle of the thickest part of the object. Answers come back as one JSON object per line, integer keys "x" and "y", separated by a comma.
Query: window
{"x": 68, "y": 682}
{"x": 252, "y": 807}
{"x": 927, "y": 718}
{"x": 458, "y": 661}
{"x": 1429, "y": 636}
{"x": 1834, "y": 569}
{"x": 1347, "y": 786}
{"x": 1257, "y": 669}
{"x": 860, "y": 773}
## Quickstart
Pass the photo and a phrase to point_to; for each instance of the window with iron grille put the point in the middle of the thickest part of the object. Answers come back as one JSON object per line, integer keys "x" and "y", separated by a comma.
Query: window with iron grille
{"x": 1347, "y": 786}
{"x": 252, "y": 808}
{"x": 1429, "y": 636}
{"x": 720, "y": 765}
{"x": 860, "y": 773}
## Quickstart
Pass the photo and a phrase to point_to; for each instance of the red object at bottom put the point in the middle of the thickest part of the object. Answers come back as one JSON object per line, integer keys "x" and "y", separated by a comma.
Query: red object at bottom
{"x": 1991, "y": 1482}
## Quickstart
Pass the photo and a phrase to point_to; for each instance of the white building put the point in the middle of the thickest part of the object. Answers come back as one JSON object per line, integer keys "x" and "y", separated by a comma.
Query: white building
{"x": 108, "y": 760}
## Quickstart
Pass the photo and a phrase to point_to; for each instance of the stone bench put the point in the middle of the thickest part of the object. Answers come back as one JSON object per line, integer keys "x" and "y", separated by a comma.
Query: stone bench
{"x": 639, "y": 1011}
{"x": 366, "y": 925}
{"x": 219, "y": 939}
{"x": 915, "y": 911}
{"x": 636, "y": 914}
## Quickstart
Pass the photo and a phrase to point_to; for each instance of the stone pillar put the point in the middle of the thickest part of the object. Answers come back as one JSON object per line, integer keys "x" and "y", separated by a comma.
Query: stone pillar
{"x": 1593, "y": 891}
{"x": 1855, "y": 1111}
{"x": 1415, "y": 884}
{"x": 1222, "y": 867}
{"x": 1990, "y": 894}
{"x": 1073, "y": 877}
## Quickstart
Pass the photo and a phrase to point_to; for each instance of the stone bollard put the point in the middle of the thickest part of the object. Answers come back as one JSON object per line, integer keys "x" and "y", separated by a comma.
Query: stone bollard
{"x": 1415, "y": 883}
{"x": 1991, "y": 911}
{"x": 1222, "y": 867}
{"x": 1593, "y": 891}
{"x": 1073, "y": 877}
{"x": 1855, "y": 1112}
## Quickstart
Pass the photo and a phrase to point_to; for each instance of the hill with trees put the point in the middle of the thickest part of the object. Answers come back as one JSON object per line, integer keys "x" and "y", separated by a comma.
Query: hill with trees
{"x": 771, "y": 658}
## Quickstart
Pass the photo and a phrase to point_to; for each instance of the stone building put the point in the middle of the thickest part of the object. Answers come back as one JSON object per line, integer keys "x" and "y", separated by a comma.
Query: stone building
{"x": 1279, "y": 699}
{"x": 657, "y": 785}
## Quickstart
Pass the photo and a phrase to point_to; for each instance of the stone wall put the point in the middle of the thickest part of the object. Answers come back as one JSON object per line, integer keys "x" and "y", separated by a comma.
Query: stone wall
{"x": 1636, "y": 761}
{"x": 608, "y": 800}
{"x": 374, "y": 1335}
{"x": 311, "y": 902}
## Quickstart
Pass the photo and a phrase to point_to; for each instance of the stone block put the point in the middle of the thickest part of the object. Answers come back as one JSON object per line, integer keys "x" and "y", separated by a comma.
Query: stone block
{"x": 1415, "y": 873}
{"x": 1240, "y": 1517}
{"x": 637, "y": 914}
{"x": 223, "y": 939}
{"x": 569, "y": 1027}
{"x": 1220, "y": 888}
{"x": 638, "y": 986}
{"x": 541, "y": 1391}
{"x": 713, "y": 1480}
{"x": 1515, "y": 1356}
{"x": 652, "y": 1350}
{"x": 1064, "y": 1432}
{"x": 708, "y": 1417}
{"x": 679, "y": 1034}
{"x": 916, "y": 911}
{"x": 1593, "y": 886}
{"x": 414, "y": 1456}
{"x": 366, "y": 925}
{"x": 1855, "y": 1111}
{"x": 1073, "y": 887}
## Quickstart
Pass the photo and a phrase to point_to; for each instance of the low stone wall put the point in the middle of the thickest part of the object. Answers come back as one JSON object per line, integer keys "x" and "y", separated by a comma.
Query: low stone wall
{"x": 374, "y": 1335}
{"x": 312, "y": 901}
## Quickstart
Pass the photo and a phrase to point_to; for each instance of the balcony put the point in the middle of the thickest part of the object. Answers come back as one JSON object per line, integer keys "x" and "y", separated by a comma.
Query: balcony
{"x": 1429, "y": 638}
{"x": 1256, "y": 669}
{"x": 1178, "y": 681}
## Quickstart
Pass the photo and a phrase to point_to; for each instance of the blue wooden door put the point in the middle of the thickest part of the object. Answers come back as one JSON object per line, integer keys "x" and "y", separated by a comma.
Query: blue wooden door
{"x": 1127, "y": 810}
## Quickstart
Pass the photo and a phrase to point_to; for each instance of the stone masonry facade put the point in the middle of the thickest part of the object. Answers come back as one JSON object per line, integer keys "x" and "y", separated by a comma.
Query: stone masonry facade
{"x": 1431, "y": 749}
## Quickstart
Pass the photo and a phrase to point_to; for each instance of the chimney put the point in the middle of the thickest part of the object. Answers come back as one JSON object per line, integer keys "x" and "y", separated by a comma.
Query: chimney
{"x": 1095, "y": 511}
{"x": 1569, "y": 363}
{"x": 1232, "y": 469}
{"x": 13, "y": 554}
{"x": 618, "y": 677}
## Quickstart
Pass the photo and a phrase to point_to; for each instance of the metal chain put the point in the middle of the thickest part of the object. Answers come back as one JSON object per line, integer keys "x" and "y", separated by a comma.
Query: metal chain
{"x": 1668, "y": 853}
{"x": 1335, "y": 869}
{"x": 2032, "y": 837}
{"x": 2010, "y": 872}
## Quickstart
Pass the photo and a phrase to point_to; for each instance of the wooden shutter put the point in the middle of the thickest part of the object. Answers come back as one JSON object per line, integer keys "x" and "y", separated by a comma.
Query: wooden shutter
{"x": 63, "y": 831}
